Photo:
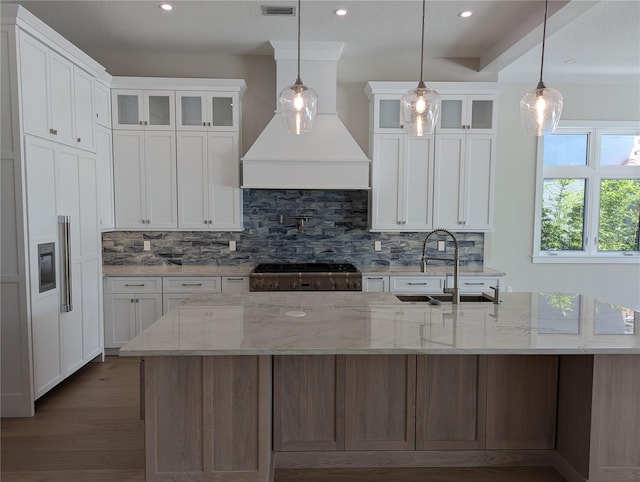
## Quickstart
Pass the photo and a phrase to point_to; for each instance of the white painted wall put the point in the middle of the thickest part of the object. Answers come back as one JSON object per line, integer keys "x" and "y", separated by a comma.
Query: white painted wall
{"x": 509, "y": 247}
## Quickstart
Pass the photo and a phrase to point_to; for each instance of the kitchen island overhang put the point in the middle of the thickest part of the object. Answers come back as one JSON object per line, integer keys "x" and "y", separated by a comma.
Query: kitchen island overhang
{"x": 237, "y": 384}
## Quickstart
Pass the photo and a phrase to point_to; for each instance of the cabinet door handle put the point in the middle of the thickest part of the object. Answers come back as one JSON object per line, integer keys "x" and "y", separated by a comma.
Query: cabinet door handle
{"x": 417, "y": 284}
{"x": 137, "y": 300}
{"x": 130, "y": 284}
{"x": 140, "y": 122}
{"x": 79, "y": 140}
{"x": 475, "y": 283}
{"x": 204, "y": 124}
{"x": 209, "y": 124}
{"x": 235, "y": 279}
{"x": 191, "y": 284}
{"x": 145, "y": 122}
{"x": 370, "y": 277}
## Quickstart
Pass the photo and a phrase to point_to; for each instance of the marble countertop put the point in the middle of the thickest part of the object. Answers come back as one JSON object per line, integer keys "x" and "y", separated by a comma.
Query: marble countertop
{"x": 431, "y": 271}
{"x": 245, "y": 270}
{"x": 378, "y": 323}
{"x": 175, "y": 270}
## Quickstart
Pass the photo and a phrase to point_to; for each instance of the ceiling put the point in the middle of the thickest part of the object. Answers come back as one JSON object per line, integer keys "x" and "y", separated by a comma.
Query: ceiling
{"x": 598, "y": 38}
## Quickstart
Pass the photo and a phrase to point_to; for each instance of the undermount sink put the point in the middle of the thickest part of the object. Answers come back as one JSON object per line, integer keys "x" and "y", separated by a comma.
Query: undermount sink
{"x": 444, "y": 298}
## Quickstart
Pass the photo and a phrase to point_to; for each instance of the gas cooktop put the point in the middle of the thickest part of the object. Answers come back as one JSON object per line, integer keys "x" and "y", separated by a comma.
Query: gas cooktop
{"x": 305, "y": 268}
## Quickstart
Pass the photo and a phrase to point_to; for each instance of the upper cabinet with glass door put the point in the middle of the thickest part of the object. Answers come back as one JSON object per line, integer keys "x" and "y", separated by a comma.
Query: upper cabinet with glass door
{"x": 386, "y": 114}
{"x": 473, "y": 113}
{"x": 207, "y": 111}
{"x": 143, "y": 109}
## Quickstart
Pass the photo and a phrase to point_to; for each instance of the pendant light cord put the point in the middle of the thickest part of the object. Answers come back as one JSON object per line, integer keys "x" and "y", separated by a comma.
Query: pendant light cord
{"x": 424, "y": 2}
{"x": 299, "y": 80}
{"x": 544, "y": 36}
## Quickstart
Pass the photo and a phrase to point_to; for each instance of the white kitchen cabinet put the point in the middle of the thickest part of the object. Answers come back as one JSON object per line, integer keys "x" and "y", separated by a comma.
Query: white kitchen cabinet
{"x": 235, "y": 284}
{"x": 47, "y": 87}
{"x": 84, "y": 109}
{"x": 402, "y": 172}
{"x": 176, "y": 289}
{"x": 375, "y": 283}
{"x": 104, "y": 157}
{"x": 209, "y": 181}
{"x": 131, "y": 304}
{"x": 464, "y": 177}
{"x": 60, "y": 101}
{"x": 143, "y": 109}
{"x": 207, "y": 111}
{"x": 416, "y": 284}
{"x": 454, "y": 189}
{"x": 471, "y": 113}
{"x": 477, "y": 284}
{"x": 103, "y": 104}
{"x": 145, "y": 179}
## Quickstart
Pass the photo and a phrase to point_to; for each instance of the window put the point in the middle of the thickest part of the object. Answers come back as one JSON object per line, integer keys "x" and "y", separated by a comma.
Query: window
{"x": 588, "y": 194}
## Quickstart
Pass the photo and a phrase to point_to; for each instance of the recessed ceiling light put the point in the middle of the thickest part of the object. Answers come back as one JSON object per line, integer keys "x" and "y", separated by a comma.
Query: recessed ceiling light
{"x": 465, "y": 14}
{"x": 340, "y": 12}
{"x": 167, "y": 7}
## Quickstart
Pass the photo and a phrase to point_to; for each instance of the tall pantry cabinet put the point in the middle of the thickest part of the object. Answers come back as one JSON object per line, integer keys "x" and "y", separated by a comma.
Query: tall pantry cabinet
{"x": 51, "y": 264}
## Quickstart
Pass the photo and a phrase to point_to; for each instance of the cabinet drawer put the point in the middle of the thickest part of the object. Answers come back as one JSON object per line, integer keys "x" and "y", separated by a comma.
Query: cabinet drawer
{"x": 375, "y": 283}
{"x": 474, "y": 284}
{"x": 182, "y": 284}
{"x": 417, "y": 284}
{"x": 235, "y": 284}
{"x": 143, "y": 284}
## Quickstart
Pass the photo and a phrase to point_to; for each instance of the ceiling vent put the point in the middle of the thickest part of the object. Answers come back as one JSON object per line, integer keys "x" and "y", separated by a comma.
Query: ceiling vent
{"x": 274, "y": 10}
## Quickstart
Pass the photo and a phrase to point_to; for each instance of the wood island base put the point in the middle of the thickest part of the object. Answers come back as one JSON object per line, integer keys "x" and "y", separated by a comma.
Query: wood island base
{"x": 235, "y": 418}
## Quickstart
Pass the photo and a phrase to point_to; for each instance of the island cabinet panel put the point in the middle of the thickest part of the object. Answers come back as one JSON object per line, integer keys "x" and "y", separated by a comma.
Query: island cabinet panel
{"x": 615, "y": 426}
{"x": 450, "y": 402}
{"x": 521, "y": 401}
{"x": 207, "y": 418}
{"x": 308, "y": 395}
{"x": 380, "y": 402}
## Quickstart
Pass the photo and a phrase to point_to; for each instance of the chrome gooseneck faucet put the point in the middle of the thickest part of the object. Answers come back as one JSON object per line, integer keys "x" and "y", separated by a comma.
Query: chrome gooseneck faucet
{"x": 455, "y": 291}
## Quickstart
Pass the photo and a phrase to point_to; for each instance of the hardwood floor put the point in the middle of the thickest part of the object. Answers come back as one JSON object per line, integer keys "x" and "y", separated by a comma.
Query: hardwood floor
{"x": 88, "y": 430}
{"x": 414, "y": 474}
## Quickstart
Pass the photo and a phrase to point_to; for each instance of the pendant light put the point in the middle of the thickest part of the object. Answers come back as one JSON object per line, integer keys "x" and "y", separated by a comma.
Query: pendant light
{"x": 298, "y": 102}
{"x": 420, "y": 106}
{"x": 540, "y": 108}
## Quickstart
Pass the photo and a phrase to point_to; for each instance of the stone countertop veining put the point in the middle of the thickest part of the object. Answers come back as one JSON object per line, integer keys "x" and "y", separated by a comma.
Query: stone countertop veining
{"x": 176, "y": 270}
{"x": 431, "y": 271}
{"x": 294, "y": 323}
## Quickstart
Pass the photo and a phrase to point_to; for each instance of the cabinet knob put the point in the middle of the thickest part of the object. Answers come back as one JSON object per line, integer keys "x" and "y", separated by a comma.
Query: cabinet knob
{"x": 209, "y": 124}
{"x": 145, "y": 122}
{"x": 140, "y": 122}
{"x": 204, "y": 124}
{"x": 79, "y": 140}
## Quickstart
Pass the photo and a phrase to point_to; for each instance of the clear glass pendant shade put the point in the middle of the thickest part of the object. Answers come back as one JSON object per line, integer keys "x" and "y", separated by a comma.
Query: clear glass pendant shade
{"x": 420, "y": 108}
{"x": 540, "y": 110}
{"x": 298, "y": 104}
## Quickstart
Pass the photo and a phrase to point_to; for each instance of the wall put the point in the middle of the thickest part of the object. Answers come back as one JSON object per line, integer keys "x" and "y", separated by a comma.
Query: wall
{"x": 509, "y": 247}
{"x": 337, "y": 232}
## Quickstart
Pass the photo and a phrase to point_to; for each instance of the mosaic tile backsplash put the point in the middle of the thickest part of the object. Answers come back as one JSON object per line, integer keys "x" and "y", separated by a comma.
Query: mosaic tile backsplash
{"x": 337, "y": 232}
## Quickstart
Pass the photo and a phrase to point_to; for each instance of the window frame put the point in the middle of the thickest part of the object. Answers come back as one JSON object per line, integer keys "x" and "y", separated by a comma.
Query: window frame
{"x": 593, "y": 173}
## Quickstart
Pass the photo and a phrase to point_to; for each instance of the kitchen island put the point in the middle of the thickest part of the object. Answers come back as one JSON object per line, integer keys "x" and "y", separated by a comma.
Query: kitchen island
{"x": 237, "y": 384}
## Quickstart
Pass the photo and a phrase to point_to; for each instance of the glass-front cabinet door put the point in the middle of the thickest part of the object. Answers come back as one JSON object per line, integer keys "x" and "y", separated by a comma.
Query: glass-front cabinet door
{"x": 207, "y": 111}
{"x": 467, "y": 113}
{"x": 139, "y": 109}
{"x": 387, "y": 116}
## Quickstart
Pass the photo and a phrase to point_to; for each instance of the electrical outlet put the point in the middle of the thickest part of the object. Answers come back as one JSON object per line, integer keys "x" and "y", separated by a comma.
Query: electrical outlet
{"x": 377, "y": 246}
{"x": 232, "y": 245}
{"x": 146, "y": 245}
{"x": 441, "y": 246}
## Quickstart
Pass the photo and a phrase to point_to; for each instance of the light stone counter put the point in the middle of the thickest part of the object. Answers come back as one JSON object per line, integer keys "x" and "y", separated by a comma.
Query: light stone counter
{"x": 431, "y": 271}
{"x": 175, "y": 270}
{"x": 378, "y": 323}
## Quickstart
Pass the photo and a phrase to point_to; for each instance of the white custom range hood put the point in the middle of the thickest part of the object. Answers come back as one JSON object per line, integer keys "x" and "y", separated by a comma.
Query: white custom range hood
{"x": 326, "y": 158}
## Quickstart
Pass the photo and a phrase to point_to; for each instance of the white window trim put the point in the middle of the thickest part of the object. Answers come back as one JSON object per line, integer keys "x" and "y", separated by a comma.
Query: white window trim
{"x": 593, "y": 175}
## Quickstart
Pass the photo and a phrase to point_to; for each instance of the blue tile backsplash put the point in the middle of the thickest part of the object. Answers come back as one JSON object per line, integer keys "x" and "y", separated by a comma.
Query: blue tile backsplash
{"x": 336, "y": 232}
